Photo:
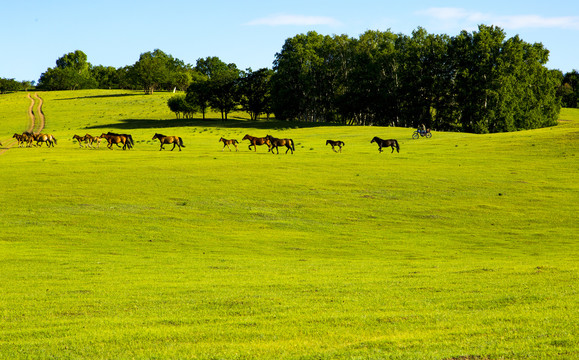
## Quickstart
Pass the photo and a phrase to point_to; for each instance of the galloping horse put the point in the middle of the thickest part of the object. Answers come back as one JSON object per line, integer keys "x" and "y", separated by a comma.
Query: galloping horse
{"x": 88, "y": 139}
{"x": 229, "y": 142}
{"x": 25, "y": 137}
{"x": 338, "y": 143}
{"x": 175, "y": 140}
{"x": 275, "y": 142}
{"x": 92, "y": 139}
{"x": 20, "y": 139}
{"x": 116, "y": 139}
{"x": 130, "y": 142}
{"x": 49, "y": 139}
{"x": 385, "y": 143}
{"x": 257, "y": 141}
{"x": 81, "y": 139}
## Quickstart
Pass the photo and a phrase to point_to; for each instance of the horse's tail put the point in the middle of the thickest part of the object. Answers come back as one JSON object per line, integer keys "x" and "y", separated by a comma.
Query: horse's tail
{"x": 130, "y": 138}
{"x": 181, "y": 142}
{"x": 235, "y": 141}
{"x": 53, "y": 138}
{"x": 293, "y": 147}
{"x": 397, "y": 146}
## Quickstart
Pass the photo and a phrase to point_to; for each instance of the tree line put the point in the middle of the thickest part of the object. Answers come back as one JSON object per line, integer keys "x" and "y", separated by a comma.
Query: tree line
{"x": 476, "y": 81}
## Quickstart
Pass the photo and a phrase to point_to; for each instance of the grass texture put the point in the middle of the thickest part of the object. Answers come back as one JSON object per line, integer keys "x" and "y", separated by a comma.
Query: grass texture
{"x": 459, "y": 247}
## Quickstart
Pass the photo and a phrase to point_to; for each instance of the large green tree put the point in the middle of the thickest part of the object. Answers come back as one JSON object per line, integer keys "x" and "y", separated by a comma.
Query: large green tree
{"x": 255, "y": 92}
{"x": 216, "y": 85}
{"x": 151, "y": 70}
{"x": 72, "y": 72}
{"x": 570, "y": 89}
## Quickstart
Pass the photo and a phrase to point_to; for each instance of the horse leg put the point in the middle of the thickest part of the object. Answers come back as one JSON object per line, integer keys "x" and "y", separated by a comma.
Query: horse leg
{"x": 392, "y": 149}
{"x": 236, "y": 149}
{"x": 174, "y": 147}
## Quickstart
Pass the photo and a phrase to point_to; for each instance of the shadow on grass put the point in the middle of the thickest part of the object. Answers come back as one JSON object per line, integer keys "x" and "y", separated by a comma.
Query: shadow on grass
{"x": 98, "y": 96}
{"x": 133, "y": 124}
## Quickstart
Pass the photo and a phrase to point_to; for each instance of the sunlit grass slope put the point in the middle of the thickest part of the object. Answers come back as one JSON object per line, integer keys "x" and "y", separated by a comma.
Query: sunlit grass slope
{"x": 459, "y": 247}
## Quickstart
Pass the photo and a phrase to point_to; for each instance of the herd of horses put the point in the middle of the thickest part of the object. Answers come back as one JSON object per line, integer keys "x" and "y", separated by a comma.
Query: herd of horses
{"x": 126, "y": 141}
{"x": 28, "y": 138}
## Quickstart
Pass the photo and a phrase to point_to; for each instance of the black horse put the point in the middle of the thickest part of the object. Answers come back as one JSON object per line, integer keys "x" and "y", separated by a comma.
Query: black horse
{"x": 337, "y": 143}
{"x": 385, "y": 143}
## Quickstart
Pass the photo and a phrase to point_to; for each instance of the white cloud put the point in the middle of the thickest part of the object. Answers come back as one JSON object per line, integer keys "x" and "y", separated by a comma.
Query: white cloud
{"x": 298, "y": 20}
{"x": 469, "y": 18}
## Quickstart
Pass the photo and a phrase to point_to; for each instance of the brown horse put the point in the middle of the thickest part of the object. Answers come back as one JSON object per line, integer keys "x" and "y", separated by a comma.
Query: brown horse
{"x": 92, "y": 139}
{"x": 20, "y": 138}
{"x": 88, "y": 139}
{"x": 130, "y": 142}
{"x": 24, "y": 138}
{"x": 81, "y": 139}
{"x": 385, "y": 143}
{"x": 175, "y": 140}
{"x": 338, "y": 143}
{"x": 49, "y": 139}
{"x": 275, "y": 142}
{"x": 257, "y": 141}
{"x": 116, "y": 139}
{"x": 229, "y": 142}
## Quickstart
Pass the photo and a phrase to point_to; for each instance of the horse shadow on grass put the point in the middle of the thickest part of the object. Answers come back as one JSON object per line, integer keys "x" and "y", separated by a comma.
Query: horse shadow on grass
{"x": 235, "y": 122}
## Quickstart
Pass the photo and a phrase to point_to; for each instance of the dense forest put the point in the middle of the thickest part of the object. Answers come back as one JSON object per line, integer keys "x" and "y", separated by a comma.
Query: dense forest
{"x": 476, "y": 81}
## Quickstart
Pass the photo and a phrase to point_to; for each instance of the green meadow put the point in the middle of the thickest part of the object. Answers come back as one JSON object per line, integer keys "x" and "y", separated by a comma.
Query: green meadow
{"x": 461, "y": 246}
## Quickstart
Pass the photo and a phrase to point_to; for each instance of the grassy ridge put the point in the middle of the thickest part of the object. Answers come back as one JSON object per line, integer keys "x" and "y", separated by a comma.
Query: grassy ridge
{"x": 461, "y": 246}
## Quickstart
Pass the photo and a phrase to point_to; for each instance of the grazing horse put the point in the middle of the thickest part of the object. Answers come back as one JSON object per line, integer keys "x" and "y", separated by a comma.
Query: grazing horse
{"x": 49, "y": 139}
{"x": 116, "y": 139}
{"x": 338, "y": 143}
{"x": 229, "y": 142}
{"x": 385, "y": 143}
{"x": 257, "y": 141}
{"x": 175, "y": 140}
{"x": 275, "y": 142}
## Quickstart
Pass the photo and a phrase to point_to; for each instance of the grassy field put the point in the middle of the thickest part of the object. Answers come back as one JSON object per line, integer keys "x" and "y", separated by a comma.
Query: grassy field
{"x": 459, "y": 247}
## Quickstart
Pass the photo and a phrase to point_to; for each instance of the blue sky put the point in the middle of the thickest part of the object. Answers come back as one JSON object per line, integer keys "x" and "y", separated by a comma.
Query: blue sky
{"x": 249, "y": 33}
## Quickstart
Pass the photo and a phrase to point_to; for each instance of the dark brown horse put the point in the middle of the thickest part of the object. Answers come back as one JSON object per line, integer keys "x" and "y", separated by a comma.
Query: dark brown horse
{"x": 385, "y": 143}
{"x": 338, "y": 143}
{"x": 254, "y": 141}
{"x": 116, "y": 139}
{"x": 175, "y": 140}
{"x": 229, "y": 142}
{"x": 275, "y": 142}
